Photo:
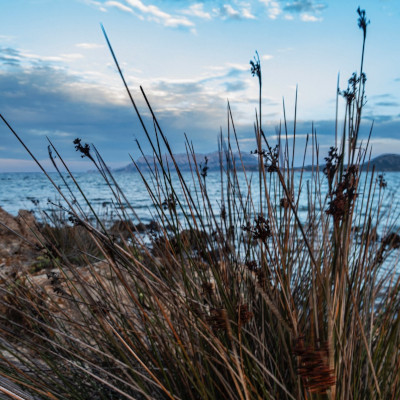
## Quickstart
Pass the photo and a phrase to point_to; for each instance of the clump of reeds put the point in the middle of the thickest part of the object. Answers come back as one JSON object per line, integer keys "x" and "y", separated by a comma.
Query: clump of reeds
{"x": 249, "y": 301}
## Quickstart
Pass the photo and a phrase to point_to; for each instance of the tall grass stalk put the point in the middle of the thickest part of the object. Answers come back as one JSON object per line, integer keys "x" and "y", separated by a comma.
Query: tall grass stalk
{"x": 247, "y": 301}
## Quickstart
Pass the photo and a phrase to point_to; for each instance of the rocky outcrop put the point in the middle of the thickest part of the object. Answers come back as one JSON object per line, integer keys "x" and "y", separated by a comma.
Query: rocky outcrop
{"x": 19, "y": 239}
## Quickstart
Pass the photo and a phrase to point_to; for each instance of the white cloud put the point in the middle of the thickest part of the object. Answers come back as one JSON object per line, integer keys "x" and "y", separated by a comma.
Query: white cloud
{"x": 120, "y": 6}
{"x": 246, "y": 13}
{"x": 96, "y": 4}
{"x": 385, "y": 145}
{"x": 273, "y": 8}
{"x": 267, "y": 57}
{"x": 156, "y": 14}
{"x": 60, "y": 58}
{"x": 310, "y": 18}
{"x": 227, "y": 11}
{"x": 238, "y": 67}
{"x": 197, "y": 10}
{"x": 89, "y": 46}
{"x": 70, "y": 57}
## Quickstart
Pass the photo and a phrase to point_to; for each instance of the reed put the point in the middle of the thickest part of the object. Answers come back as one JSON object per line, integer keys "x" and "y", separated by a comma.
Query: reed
{"x": 247, "y": 301}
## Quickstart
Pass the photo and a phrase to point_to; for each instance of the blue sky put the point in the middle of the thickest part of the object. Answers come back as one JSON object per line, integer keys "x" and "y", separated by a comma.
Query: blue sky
{"x": 57, "y": 77}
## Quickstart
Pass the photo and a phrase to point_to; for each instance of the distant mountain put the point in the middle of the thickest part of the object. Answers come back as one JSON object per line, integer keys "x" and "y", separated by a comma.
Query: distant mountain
{"x": 384, "y": 163}
{"x": 184, "y": 162}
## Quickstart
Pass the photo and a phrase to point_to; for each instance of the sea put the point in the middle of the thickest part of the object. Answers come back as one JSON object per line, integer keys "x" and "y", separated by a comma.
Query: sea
{"x": 36, "y": 193}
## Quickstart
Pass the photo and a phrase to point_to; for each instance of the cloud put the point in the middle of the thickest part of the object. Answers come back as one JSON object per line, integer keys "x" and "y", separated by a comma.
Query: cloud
{"x": 273, "y": 8}
{"x": 387, "y": 104}
{"x": 23, "y": 165}
{"x": 51, "y": 133}
{"x": 246, "y": 13}
{"x": 234, "y": 68}
{"x": 67, "y": 57}
{"x": 89, "y": 46}
{"x": 384, "y": 145}
{"x": 304, "y": 6}
{"x": 228, "y": 12}
{"x": 310, "y": 18}
{"x": 6, "y": 38}
{"x": 156, "y": 14}
{"x": 236, "y": 86}
{"x": 267, "y": 57}
{"x": 382, "y": 96}
{"x": 192, "y": 95}
{"x": 15, "y": 57}
{"x": 120, "y": 6}
{"x": 197, "y": 10}
{"x": 9, "y": 56}
{"x": 379, "y": 118}
{"x": 40, "y": 99}
{"x": 96, "y": 4}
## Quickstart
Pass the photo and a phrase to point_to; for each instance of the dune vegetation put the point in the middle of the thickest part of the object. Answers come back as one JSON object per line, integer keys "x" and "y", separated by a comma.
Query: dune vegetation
{"x": 247, "y": 301}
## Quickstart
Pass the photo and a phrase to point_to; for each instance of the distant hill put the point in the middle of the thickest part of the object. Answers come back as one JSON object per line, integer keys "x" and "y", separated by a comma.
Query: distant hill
{"x": 250, "y": 162}
{"x": 384, "y": 163}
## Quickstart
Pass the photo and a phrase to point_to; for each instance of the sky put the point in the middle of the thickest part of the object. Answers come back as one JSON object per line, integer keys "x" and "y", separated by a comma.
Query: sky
{"x": 58, "y": 79}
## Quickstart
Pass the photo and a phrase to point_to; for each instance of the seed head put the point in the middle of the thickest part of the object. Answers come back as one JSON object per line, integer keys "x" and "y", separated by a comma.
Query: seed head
{"x": 362, "y": 21}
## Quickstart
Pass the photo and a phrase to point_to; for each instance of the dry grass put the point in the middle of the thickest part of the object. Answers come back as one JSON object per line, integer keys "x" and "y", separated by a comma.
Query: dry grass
{"x": 244, "y": 302}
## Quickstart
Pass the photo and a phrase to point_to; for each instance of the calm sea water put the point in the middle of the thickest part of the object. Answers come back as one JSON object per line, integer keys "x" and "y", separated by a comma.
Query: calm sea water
{"x": 33, "y": 191}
